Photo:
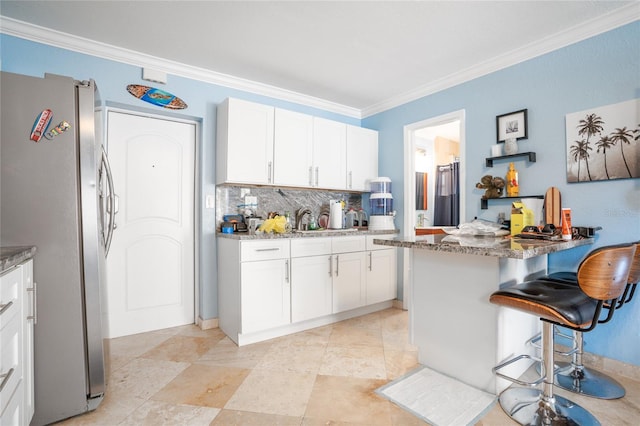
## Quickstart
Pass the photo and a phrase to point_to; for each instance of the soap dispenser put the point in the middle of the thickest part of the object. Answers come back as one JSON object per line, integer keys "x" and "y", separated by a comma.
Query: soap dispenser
{"x": 512, "y": 181}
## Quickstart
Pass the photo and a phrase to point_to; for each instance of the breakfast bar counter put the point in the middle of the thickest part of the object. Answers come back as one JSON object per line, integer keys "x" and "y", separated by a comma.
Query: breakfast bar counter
{"x": 455, "y": 328}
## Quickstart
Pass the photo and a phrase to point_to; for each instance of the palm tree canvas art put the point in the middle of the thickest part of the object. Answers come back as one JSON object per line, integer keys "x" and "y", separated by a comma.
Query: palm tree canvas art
{"x": 604, "y": 143}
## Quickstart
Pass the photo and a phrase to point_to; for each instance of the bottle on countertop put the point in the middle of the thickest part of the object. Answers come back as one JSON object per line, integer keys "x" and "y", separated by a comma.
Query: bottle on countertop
{"x": 288, "y": 226}
{"x": 513, "y": 188}
{"x": 313, "y": 223}
{"x": 351, "y": 218}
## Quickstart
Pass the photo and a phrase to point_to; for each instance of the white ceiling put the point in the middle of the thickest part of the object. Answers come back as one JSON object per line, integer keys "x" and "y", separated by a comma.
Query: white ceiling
{"x": 353, "y": 57}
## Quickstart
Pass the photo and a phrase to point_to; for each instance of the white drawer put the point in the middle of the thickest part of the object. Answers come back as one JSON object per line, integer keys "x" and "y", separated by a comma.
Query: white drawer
{"x": 10, "y": 295}
{"x": 10, "y": 360}
{"x": 347, "y": 244}
{"x": 264, "y": 250}
{"x": 302, "y": 247}
{"x": 371, "y": 246}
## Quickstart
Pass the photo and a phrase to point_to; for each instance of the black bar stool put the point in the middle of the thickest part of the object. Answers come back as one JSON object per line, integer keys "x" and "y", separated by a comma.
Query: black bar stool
{"x": 602, "y": 277}
{"x": 574, "y": 376}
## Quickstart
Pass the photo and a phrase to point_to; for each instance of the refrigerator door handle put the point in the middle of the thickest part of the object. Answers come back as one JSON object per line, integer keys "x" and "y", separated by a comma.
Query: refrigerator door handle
{"x": 112, "y": 203}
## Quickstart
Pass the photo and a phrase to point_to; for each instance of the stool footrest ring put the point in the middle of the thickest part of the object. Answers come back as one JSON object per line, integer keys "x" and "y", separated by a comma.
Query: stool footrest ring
{"x": 497, "y": 368}
{"x": 535, "y": 342}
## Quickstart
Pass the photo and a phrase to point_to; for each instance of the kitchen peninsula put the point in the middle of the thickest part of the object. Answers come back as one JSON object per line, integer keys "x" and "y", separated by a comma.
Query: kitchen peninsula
{"x": 457, "y": 331}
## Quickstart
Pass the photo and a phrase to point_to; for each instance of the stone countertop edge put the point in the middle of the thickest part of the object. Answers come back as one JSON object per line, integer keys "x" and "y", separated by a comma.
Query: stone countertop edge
{"x": 526, "y": 249}
{"x": 291, "y": 235}
{"x": 12, "y": 256}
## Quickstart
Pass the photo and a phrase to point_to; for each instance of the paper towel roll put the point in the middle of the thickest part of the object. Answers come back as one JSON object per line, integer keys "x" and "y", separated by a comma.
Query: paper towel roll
{"x": 335, "y": 214}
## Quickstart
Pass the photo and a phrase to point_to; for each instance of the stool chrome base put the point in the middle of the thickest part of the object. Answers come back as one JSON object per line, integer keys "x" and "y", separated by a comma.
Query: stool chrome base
{"x": 589, "y": 382}
{"x": 528, "y": 407}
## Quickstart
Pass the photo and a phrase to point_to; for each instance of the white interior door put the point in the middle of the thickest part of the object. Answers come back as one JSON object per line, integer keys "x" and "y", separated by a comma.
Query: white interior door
{"x": 150, "y": 268}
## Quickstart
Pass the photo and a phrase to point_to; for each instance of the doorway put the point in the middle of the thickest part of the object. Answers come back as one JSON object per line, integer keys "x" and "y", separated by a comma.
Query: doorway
{"x": 437, "y": 156}
{"x": 420, "y": 140}
{"x": 151, "y": 264}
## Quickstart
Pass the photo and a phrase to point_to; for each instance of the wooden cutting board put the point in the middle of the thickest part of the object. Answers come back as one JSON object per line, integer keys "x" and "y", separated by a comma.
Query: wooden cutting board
{"x": 552, "y": 207}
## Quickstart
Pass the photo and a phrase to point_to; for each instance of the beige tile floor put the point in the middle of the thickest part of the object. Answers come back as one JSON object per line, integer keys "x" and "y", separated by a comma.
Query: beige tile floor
{"x": 324, "y": 376}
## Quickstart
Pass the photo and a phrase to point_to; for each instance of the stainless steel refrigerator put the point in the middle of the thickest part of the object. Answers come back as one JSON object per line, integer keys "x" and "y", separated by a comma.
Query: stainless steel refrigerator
{"x": 53, "y": 196}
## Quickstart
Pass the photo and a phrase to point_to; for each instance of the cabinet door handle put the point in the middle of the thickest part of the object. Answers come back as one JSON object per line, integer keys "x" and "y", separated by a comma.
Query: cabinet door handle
{"x": 286, "y": 270}
{"x": 370, "y": 261}
{"x": 310, "y": 175}
{"x": 350, "y": 179}
{"x": 34, "y": 300}
{"x": 317, "y": 173}
{"x": 269, "y": 249}
{"x": 331, "y": 266}
{"x": 269, "y": 173}
{"x": 4, "y": 307}
{"x": 337, "y": 265}
{"x": 5, "y": 378}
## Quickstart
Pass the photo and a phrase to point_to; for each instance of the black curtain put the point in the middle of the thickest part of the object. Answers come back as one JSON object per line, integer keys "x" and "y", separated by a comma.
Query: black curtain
{"x": 447, "y": 195}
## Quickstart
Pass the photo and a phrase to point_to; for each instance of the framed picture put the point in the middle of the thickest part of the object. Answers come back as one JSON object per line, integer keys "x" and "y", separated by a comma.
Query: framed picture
{"x": 602, "y": 143}
{"x": 512, "y": 125}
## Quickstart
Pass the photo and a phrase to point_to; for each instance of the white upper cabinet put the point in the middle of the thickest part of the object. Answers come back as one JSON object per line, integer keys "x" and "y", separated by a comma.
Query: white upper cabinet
{"x": 262, "y": 145}
{"x": 244, "y": 142}
{"x": 293, "y": 140}
{"x": 329, "y": 154}
{"x": 362, "y": 157}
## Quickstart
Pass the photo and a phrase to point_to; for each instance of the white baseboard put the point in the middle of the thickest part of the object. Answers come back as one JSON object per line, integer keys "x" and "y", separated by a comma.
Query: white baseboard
{"x": 259, "y": 336}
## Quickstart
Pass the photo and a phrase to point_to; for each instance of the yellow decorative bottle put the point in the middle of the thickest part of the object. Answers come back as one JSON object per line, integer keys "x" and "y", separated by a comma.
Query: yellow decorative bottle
{"x": 512, "y": 182}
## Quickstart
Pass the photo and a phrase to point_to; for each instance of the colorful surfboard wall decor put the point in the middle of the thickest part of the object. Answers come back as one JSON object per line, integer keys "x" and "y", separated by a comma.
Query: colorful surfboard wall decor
{"x": 156, "y": 96}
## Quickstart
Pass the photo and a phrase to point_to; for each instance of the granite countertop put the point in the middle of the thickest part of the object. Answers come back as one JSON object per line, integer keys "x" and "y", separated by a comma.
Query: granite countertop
{"x": 12, "y": 256}
{"x": 306, "y": 234}
{"x": 514, "y": 248}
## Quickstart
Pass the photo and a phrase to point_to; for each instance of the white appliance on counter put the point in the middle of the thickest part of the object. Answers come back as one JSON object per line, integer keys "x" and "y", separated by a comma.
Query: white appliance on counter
{"x": 381, "y": 205}
{"x": 55, "y": 186}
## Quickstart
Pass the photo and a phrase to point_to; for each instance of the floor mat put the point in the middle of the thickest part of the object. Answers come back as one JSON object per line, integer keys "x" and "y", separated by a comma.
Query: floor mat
{"x": 438, "y": 399}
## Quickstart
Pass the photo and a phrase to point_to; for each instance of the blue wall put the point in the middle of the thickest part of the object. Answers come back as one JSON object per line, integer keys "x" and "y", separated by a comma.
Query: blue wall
{"x": 29, "y": 58}
{"x": 599, "y": 71}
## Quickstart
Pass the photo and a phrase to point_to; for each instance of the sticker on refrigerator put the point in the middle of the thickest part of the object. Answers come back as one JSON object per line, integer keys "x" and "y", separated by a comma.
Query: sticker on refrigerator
{"x": 60, "y": 128}
{"x": 40, "y": 125}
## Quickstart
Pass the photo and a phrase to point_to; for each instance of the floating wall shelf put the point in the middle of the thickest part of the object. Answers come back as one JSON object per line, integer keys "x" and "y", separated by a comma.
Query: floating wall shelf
{"x": 531, "y": 155}
{"x": 484, "y": 202}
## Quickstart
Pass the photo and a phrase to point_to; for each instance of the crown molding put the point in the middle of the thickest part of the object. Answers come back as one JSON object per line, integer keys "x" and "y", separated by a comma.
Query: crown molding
{"x": 63, "y": 40}
{"x": 617, "y": 18}
{"x": 614, "y": 19}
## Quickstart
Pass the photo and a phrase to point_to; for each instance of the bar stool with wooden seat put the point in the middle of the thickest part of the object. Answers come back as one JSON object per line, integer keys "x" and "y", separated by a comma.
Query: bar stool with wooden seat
{"x": 574, "y": 376}
{"x": 602, "y": 277}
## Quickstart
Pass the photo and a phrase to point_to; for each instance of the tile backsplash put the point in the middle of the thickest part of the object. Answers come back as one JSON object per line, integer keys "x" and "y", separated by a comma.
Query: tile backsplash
{"x": 230, "y": 200}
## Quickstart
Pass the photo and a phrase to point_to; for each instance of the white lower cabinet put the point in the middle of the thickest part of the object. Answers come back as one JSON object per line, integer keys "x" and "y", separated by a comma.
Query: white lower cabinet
{"x": 265, "y": 285}
{"x": 268, "y": 288}
{"x": 311, "y": 278}
{"x": 28, "y": 323}
{"x": 348, "y": 273}
{"x": 265, "y": 294}
{"x": 381, "y": 275}
{"x": 348, "y": 281}
{"x": 16, "y": 345}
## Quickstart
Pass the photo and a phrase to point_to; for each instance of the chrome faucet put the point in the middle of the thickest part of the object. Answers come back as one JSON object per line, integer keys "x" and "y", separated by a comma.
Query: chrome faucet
{"x": 300, "y": 215}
